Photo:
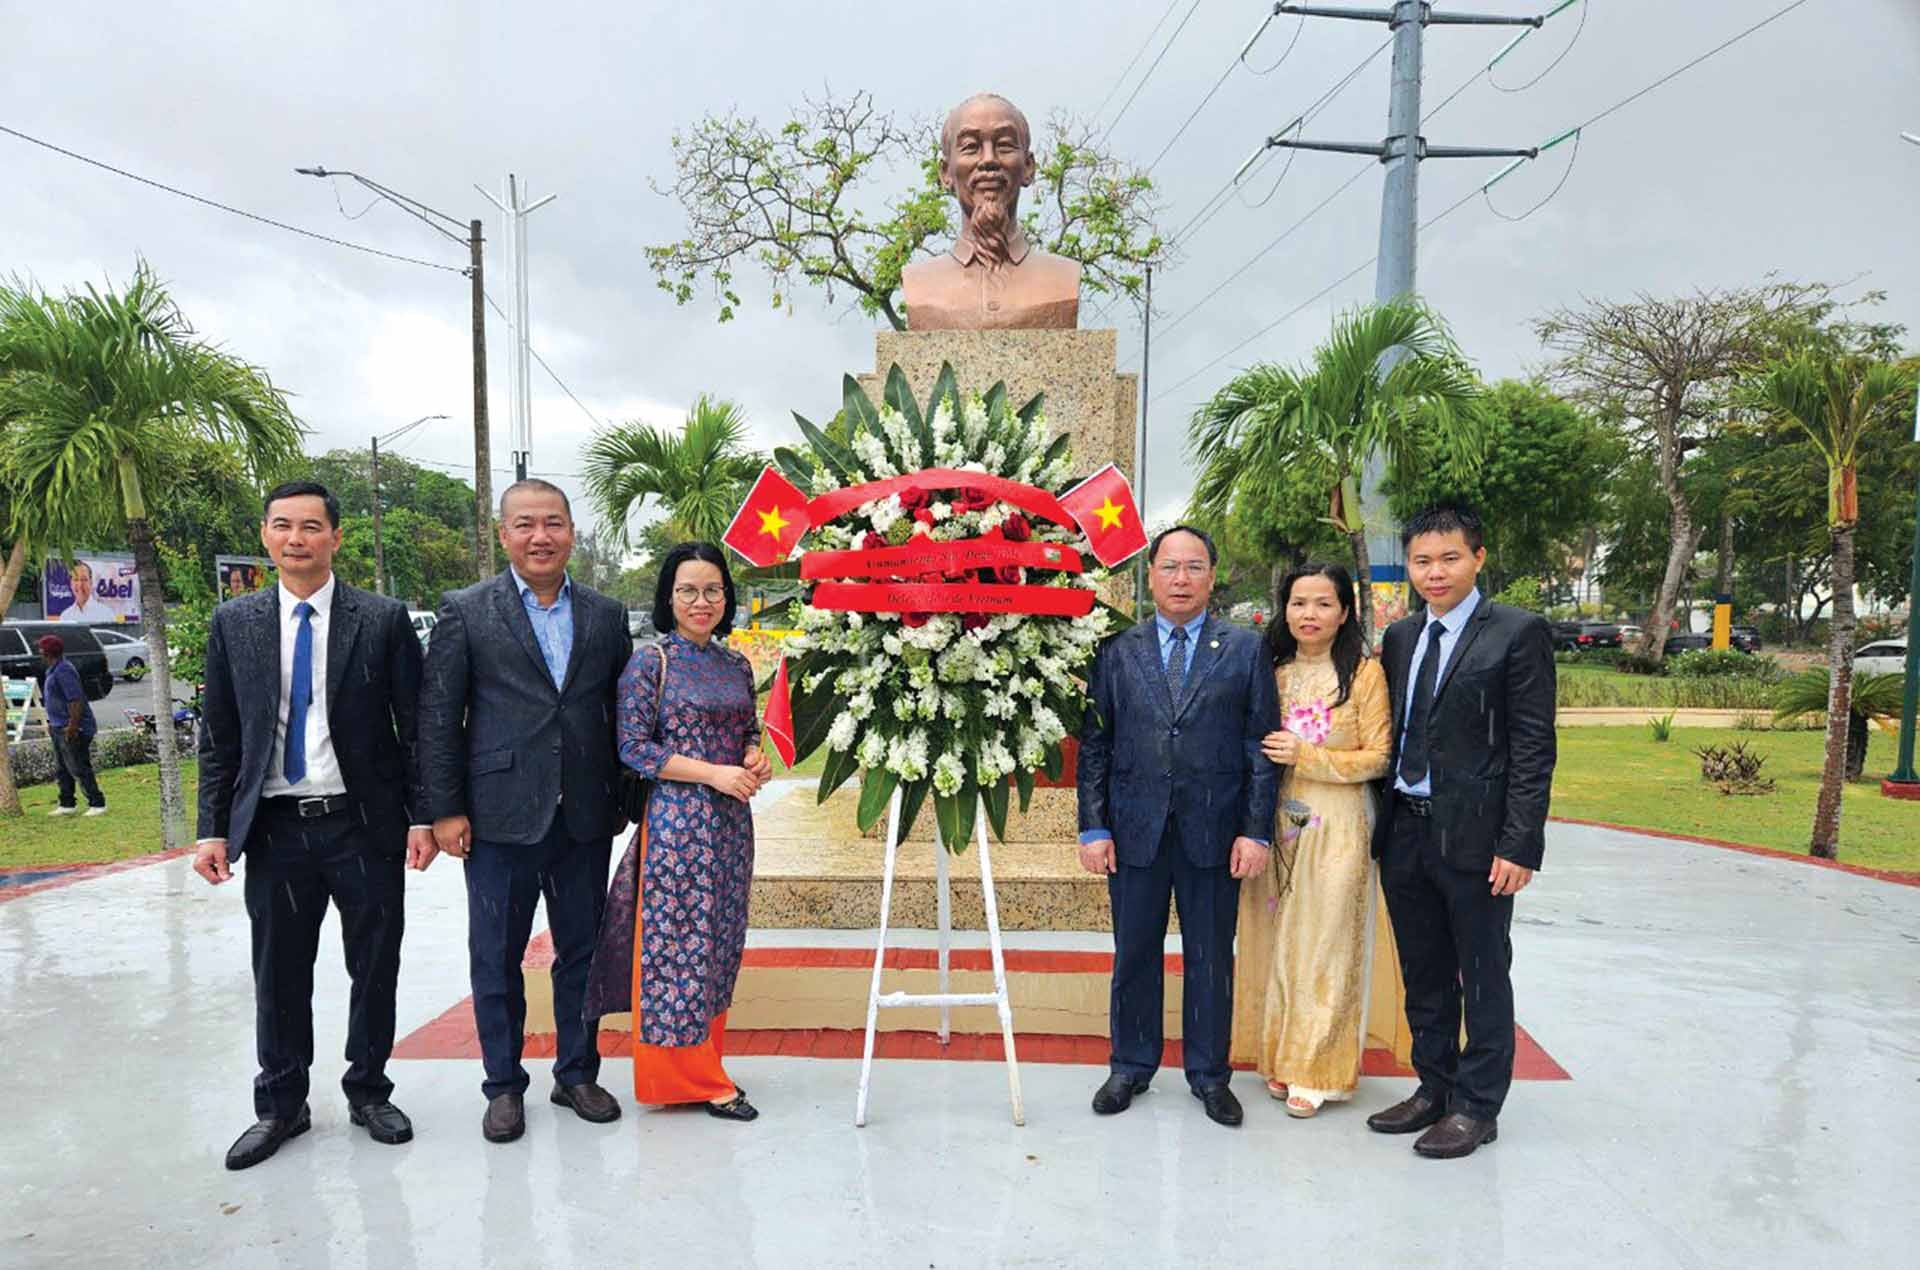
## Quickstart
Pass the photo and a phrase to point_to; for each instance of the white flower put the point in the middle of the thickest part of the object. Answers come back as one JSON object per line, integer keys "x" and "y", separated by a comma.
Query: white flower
{"x": 872, "y": 453}
{"x": 1047, "y": 725}
{"x": 940, "y": 511}
{"x": 840, "y": 735}
{"x": 882, "y": 513}
{"x": 891, "y": 644}
{"x": 873, "y": 751}
{"x": 860, "y": 704}
{"x": 949, "y": 774}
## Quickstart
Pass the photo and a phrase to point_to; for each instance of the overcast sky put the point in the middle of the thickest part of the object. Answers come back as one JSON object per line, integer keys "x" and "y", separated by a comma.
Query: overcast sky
{"x": 1780, "y": 155}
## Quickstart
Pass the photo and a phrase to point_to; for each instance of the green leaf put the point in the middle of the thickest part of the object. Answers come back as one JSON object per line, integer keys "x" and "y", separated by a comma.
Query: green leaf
{"x": 1024, "y": 779}
{"x": 900, "y": 397}
{"x": 1032, "y": 408}
{"x": 860, "y": 411}
{"x": 876, "y": 790}
{"x": 795, "y": 466}
{"x": 911, "y": 801}
{"x": 1056, "y": 762}
{"x": 841, "y": 764}
{"x": 956, "y": 817}
{"x": 944, "y": 385}
{"x": 995, "y": 797}
{"x": 837, "y": 459}
{"x": 996, "y": 402}
{"x": 813, "y": 712}
{"x": 1061, "y": 445}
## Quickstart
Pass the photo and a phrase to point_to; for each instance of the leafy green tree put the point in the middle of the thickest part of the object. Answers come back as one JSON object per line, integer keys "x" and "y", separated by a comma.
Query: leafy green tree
{"x": 698, "y": 474}
{"x": 816, "y": 202}
{"x": 1835, "y": 399}
{"x": 1334, "y": 415}
{"x": 99, "y": 386}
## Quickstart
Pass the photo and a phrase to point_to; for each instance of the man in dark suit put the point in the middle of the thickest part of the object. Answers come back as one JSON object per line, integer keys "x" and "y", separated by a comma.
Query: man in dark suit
{"x": 1463, "y": 824}
{"x": 518, "y": 754}
{"x": 1176, "y": 798}
{"x": 307, "y": 769}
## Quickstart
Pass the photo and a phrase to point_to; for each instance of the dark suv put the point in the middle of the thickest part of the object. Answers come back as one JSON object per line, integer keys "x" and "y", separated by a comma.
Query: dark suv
{"x": 1744, "y": 638}
{"x": 1578, "y": 637}
{"x": 20, "y": 654}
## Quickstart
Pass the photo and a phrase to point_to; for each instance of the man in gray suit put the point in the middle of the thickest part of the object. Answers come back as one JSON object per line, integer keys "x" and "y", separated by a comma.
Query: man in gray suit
{"x": 1176, "y": 801}
{"x": 517, "y": 753}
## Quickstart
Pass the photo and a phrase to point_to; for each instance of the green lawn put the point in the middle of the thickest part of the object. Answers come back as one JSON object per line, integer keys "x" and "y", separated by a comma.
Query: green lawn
{"x": 1621, "y": 776}
{"x": 130, "y": 828}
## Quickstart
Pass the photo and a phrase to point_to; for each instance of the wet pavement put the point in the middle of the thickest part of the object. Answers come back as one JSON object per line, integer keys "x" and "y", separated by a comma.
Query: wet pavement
{"x": 1742, "y": 1033}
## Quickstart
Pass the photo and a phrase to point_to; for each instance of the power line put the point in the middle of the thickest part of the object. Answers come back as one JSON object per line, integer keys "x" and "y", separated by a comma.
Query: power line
{"x": 1585, "y": 11}
{"x": 214, "y": 203}
{"x": 1239, "y": 59}
{"x": 1138, "y": 54}
{"x": 1674, "y": 74}
{"x": 1154, "y": 66}
{"x": 551, "y": 373}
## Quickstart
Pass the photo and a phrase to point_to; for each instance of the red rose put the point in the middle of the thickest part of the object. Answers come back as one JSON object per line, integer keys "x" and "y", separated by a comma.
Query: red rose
{"x": 1016, "y": 528}
{"x": 913, "y": 500}
{"x": 924, "y": 516}
{"x": 874, "y": 542}
{"x": 914, "y": 619}
{"x": 975, "y": 500}
{"x": 973, "y": 621}
{"x": 1009, "y": 573}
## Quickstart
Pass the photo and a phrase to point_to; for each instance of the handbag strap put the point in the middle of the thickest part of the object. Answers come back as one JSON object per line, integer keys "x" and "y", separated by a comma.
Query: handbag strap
{"x": 660, "y": 693}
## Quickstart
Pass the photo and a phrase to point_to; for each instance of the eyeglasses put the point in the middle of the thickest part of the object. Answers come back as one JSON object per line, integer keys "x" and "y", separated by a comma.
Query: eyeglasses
{"x": 713, "y": 594}
{"x": 1174, "y": 568}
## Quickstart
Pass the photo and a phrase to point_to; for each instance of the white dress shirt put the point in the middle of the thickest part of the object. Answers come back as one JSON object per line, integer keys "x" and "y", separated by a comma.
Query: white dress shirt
{"x": 323, "y": 767}
{"x": 1450, "y": 627}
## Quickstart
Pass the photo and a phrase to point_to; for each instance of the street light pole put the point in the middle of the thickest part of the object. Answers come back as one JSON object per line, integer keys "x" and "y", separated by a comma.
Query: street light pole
{"x": 379, "y": 538}
{"x": 1905, "y": 782}
{"x": 482, "y": 441}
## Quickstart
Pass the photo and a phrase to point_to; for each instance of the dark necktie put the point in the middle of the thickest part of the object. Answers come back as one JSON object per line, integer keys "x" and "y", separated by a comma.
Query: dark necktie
{"x": 1413, "y": 751}
{"x": 299, "y": 696}
{"x": 1177, "y": 662}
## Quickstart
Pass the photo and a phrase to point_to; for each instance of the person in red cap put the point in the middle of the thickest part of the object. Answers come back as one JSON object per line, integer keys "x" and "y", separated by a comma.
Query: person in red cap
{"x": 71, "y": 725}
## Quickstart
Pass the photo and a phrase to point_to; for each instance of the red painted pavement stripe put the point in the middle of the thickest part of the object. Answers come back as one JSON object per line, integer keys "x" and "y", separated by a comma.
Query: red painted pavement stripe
{"x": 87, "y": 872}
{"x": 1858, "y": 870}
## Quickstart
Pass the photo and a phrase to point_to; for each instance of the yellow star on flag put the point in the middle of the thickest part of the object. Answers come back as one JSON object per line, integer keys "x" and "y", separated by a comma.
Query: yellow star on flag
{"x": 1109, "y": 513}
{"x": 771, "y": 522}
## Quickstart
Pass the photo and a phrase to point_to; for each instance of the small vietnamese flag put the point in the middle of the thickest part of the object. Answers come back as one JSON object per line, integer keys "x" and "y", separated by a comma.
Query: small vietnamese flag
{"x": 778, "y": 722}
{"x": 1102, "y": 505}
{"x": 770, "y": 522}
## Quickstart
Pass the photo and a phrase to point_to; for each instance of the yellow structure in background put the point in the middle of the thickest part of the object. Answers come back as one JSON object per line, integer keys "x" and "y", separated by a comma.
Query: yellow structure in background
{"x": 1722, "y": 623}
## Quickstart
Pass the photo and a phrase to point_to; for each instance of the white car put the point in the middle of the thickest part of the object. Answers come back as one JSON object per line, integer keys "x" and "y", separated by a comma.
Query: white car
{"x": 126, "y": 654}
{"x": 1883, "y": 657}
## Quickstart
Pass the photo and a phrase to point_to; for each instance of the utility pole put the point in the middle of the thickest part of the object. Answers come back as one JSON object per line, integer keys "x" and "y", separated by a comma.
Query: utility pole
{"x": 1146, "y": 398}
{"x": 514, "y": 214}
{"x": 1905, "y": 782}
{"x": 1402, "y": 151}
{"x": 482, "y": 457}
{"x": 379, "y": 538}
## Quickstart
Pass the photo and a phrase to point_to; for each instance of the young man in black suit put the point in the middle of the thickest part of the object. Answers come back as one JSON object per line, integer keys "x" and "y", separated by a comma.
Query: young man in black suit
{"x": 307, "y": 769}
{"x": 1462, "y": 825}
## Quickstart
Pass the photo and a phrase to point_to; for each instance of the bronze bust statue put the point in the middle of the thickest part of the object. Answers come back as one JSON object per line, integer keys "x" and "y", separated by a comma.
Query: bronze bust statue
{"x": 992, "y": 278}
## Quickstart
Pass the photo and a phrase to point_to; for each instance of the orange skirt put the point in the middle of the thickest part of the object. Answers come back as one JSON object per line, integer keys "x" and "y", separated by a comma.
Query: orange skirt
{"x": 666, "y": 1074}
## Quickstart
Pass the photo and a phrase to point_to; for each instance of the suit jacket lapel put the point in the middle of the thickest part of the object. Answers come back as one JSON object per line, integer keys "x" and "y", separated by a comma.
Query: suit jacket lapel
{"x": 343, "y": 627}
{"x": 1475, "y": 624}
{"x": 1146, "y": 654}
{"x": 512, "y": 610}
{"x": 582, "y": 623}
{"x": 266, "y": 618}
{"x": 1200, "y": 663}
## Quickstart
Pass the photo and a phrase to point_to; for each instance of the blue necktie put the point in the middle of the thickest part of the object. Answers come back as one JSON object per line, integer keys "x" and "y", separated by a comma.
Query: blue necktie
{"x": 300, "y": 696}
{"x": 1177, "y": 662}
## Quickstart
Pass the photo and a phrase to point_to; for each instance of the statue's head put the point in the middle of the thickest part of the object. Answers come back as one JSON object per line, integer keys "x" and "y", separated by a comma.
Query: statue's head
{"x": 986, "y": 159}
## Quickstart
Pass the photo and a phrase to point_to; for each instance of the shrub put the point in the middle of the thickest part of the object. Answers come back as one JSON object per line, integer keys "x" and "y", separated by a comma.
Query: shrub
{"x": 1708, "y": 663}
{"x": 1522, "y": 593}
{"x": 1638, "y": 664}
{"x": 1661, "y": 727}
{"x": 121, "y": 747}
{"x": 1734, "y": 769}
{"x": 1749, "y": 721}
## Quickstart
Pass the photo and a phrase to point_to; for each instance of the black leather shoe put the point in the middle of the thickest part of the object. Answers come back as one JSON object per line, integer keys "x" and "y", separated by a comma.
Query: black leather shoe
{"x": 506, "y": 1118}
{"x": 589, "y": 1102}
{"x": 1410, "y": 1115}
{"x": 1222, "y": 1106}
{"x": 1117, "y": 1094}
{"x": 264, "y": 1138}
{"x": 1455, "y": 1136}
{"x": 386, "y": 1122}
{"x": 735, "y": 1108}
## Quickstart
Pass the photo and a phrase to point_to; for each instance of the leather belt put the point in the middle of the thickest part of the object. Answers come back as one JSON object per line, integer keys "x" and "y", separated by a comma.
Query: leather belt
{"x": 1414, "y": 806}
{"x": 308, "y": 808}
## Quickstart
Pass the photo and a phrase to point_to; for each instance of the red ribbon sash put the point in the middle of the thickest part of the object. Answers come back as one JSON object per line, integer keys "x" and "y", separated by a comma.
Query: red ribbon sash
{"x": 952, "y": 597}
{"x": 923, "y": 555}
{"x": 1037, "y": 502}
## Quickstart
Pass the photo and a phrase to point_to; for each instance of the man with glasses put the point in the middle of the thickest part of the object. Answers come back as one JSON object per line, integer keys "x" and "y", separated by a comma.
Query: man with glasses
{"x": 517, "y": 752}
{"x": 1176, "y": 802}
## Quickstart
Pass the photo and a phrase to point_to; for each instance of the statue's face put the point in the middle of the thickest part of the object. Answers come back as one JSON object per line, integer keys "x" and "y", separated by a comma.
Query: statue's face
{"x": 988, "y": 157}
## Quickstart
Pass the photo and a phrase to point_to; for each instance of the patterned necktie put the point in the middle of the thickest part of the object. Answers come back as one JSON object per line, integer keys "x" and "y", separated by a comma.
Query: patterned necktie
{"x": 299, "y": 696}
{"x": 1413, "y": 752}
{"x": 1177, "y": 662}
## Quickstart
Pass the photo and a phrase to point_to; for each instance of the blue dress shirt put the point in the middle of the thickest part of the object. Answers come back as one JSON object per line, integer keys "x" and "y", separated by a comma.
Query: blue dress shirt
{"x": 552, "y": 625}
{"x": 1450, "y": 627}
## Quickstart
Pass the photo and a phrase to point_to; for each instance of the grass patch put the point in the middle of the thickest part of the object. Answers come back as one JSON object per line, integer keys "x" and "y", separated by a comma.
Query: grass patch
{"x": 1618, "y": 775}
{"x": 1596, "y": 686}
{"x": 130, "y": 828}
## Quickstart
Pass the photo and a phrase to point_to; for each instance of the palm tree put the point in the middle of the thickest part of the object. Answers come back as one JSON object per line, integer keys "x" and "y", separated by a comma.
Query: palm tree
{"x": 1874, "y": 697}
{"x": 1388, "y": 375}
{"x": 97, "y": 387}
{"x": 698, "y": 474}
{"x": 1835, "y": 397}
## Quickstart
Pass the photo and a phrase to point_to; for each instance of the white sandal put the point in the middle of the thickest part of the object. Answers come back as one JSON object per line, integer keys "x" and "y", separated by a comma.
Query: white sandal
{"x": 1304, "y": 1103}
{"x": 1277, "y": 1089}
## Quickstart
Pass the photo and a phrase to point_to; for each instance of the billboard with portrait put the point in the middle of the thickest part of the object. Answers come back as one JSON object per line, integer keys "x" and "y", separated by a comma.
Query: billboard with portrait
{"x": 235, "y": 576}
{"x": 94, "y": 587}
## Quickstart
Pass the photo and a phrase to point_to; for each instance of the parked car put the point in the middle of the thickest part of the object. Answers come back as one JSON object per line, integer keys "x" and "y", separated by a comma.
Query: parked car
{"x": 423, "y": 621}
{"x": 1687, "y": 642}
{"x": 126, "y": 654}
{"x": 1576, "y": 637}
{"x": 1882, "y": 657}
{"x": 640, "y": 624}
{"x": 1745, "y": 638}
{"x": 20, "y": 654}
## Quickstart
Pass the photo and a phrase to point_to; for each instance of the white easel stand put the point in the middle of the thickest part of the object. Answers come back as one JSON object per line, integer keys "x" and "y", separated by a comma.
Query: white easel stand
{"x": 944, "y": 998}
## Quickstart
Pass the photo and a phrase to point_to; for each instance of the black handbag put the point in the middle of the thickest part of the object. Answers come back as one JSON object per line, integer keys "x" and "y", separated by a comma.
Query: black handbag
{"x": 635, "y": 789}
